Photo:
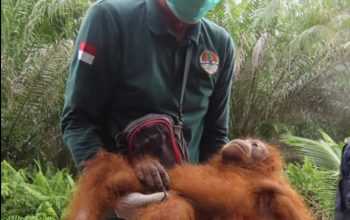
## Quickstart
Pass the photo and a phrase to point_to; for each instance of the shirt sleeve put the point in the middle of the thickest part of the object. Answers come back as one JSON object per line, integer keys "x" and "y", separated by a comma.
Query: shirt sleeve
{"x": 216, "y": 125}
{"x": 90, "y": 83}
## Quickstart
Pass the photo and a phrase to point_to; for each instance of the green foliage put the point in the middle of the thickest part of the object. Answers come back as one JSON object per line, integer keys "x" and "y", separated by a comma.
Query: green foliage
{"x": 318, "y": 186}
{"x": 34, "y": 99}
{"x": 316, "y": 179}
{"x": 291, "y": 65}
{"x": 27, "y": 24}
{"x": 33, "y": 195}
{"x": 36, "y": 38}
{"x": 326, "y": 153}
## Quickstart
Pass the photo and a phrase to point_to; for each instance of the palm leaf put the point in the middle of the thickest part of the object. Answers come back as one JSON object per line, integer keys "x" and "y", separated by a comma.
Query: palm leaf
{"x": 325, "y": 152}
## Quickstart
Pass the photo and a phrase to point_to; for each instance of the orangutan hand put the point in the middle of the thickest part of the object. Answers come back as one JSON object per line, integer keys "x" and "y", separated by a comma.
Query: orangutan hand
{"x": 152, "y": 174}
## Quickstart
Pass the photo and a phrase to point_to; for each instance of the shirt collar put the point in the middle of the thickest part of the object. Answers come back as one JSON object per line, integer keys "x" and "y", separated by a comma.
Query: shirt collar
{"x": 156, "y": 23}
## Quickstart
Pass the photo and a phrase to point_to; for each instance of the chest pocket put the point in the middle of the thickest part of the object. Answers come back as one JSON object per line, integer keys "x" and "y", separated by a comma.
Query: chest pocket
{"x": 200, "y": 84}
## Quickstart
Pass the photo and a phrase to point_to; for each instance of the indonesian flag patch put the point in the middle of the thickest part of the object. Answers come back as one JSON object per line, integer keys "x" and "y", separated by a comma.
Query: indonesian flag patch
{"x": 87, "y": 53}
{"x": 209, "y": 61}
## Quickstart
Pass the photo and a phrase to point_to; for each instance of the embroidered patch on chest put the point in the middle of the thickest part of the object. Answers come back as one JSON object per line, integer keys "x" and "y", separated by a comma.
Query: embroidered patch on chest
{"x": 209, "y": 61}
{"x": 87, "y": 53}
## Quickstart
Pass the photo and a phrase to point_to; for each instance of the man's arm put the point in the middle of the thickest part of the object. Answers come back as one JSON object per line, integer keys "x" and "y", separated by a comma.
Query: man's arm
{"x": 216, "y": 125}
{"x": 90, "y": 83}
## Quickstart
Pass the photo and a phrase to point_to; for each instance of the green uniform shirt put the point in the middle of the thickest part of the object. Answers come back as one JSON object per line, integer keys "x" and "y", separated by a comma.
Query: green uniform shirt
{"x": 127, "y": 64}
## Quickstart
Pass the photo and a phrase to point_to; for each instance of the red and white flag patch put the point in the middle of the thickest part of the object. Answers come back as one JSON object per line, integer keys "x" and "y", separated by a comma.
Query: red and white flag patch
{"x": 87, "y": 53}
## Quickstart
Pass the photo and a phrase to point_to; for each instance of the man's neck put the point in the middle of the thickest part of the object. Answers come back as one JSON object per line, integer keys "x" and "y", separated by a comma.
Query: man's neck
{"x": 178, "y": 27}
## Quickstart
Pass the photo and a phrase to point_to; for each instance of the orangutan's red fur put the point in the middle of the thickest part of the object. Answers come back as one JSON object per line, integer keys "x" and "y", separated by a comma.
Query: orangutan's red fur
{"x": 174, "y": 208}
{"x": 226, "y": 188}
{"x": 103, "y": 181}
{"x": 235, "y": 184}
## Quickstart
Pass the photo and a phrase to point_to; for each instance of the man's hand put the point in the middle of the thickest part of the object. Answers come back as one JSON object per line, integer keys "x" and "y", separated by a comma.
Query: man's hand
{"x": 151, "y": 173}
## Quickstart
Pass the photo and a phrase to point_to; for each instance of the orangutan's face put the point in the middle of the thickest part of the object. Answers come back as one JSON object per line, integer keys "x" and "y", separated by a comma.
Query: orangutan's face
{"x": 245, "y": 150}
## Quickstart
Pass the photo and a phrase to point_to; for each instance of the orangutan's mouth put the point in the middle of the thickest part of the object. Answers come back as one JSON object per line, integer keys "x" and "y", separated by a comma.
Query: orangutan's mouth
{"x": 241, "y": 145}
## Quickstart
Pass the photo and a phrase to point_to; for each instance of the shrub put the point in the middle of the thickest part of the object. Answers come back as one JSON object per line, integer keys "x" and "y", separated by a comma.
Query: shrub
{"x": 316, "y": 179}
{"x": 318, "y": 186}
{"x": 36, "y": 194}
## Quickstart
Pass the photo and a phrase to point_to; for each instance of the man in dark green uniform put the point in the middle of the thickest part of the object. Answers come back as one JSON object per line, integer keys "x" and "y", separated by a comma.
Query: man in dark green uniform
{"x": 129, "y": 61}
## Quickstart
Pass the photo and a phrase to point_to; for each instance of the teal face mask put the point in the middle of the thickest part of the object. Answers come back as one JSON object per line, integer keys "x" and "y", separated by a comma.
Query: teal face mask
{"x": 191, "y": 11}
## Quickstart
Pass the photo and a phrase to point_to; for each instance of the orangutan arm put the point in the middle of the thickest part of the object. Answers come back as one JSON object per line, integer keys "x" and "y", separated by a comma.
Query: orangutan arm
{"x": 284, "y": 203}
{"x": 105, "y": 179}
{"x": 173, "y": 208}
{"x": 288, "y": 205}
{"x": 208, "y": 189}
